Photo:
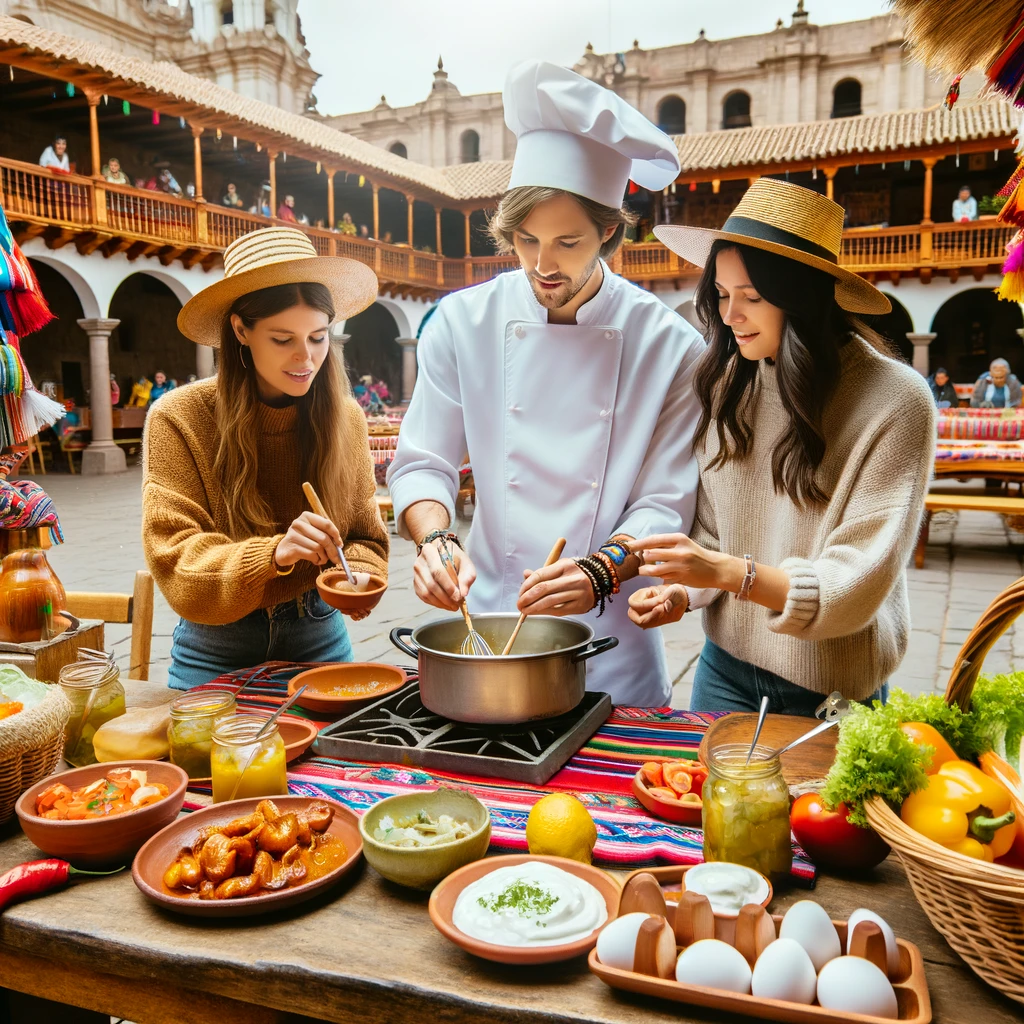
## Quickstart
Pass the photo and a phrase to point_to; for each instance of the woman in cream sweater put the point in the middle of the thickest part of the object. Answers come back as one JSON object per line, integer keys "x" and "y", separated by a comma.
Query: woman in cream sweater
{"x": 226, "y": 531}
{"x": 815, "y": 451}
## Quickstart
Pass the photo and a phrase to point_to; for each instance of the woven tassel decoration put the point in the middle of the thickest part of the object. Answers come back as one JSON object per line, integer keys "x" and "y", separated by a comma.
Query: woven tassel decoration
{"x": 1012, "y": 286}
{"x": 1013, "y": 211}
{"x": 38, "y": 412}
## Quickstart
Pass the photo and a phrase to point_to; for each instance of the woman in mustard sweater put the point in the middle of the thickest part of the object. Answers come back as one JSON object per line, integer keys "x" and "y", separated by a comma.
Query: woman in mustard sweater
{"x": 226, "y": 530}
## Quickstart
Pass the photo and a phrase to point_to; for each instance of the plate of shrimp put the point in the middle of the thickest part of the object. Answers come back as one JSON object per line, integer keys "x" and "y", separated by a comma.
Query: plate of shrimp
{"x": 248, "y": 857}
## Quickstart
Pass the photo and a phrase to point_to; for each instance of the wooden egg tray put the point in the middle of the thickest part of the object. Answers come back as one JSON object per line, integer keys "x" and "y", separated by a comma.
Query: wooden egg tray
{"x": 643, "y": 892}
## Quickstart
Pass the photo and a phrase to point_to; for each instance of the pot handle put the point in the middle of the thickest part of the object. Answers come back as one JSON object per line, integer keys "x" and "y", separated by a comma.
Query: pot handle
{"x": 593, "y": 648}
{"x": 397, "y": 638}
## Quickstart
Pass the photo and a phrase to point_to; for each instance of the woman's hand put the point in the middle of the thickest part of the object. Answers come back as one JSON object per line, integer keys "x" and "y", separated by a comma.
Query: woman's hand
{"x": 311, "y": 538}
{"x": 658, "y": 606}
{"x": 559, "y": 589}
{"x": 433, "y": 583}
{"x": 674, "y": 558}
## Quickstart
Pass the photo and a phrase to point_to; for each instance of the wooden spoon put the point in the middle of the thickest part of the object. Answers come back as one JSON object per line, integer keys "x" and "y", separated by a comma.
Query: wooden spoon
{"x": 556, "y": 554}
{"x": 318, "y": 507}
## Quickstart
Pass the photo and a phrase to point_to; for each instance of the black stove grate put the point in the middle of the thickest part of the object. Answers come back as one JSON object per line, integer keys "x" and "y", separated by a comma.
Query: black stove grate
{"x": 399, "y": 729}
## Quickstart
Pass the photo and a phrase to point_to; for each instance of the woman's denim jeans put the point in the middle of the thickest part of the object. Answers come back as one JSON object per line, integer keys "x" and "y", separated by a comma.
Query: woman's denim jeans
{"x": 724, "y": 683}
{"x": 305, "y": 629}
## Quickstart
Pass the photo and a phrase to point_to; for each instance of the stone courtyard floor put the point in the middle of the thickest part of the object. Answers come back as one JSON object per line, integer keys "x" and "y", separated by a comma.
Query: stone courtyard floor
{"x": 971, "y": 557}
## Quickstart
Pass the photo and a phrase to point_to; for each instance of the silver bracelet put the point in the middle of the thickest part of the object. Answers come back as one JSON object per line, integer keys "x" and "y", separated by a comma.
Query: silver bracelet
{"x": 748, "y": 579}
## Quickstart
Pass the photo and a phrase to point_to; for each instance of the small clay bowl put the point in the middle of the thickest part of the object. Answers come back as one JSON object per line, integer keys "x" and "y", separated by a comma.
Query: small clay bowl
{"x": 423, "y": 867}
{"x": 102, "y": 842}
{"x": 320, "y": 681}
{"x": 297, "y": 733}
{"x": 349, "y": 600}
{"x": 670, "y": 810}
{"x": 442, "y": 904}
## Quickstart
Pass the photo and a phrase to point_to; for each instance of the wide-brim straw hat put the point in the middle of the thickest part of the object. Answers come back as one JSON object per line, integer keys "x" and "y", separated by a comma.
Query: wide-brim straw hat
{"x": 268, "y": 257}
{"x": 792, "y": 221}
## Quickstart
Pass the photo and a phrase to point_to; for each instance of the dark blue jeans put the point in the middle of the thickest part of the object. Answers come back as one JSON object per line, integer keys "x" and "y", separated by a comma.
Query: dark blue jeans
{"x": 305, "y": 629}
{"x": 724, "y": 683}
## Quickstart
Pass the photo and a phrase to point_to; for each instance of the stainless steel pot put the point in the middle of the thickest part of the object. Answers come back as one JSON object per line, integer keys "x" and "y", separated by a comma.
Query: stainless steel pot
{"x": 543, "y": 677}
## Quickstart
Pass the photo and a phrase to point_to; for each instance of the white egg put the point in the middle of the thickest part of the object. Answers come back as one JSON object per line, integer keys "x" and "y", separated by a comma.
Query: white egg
{"x": 892, "y": 951}
{"x": 616, "y": 944}
{"x": 808, "y": 923}
{"x": 852, "y": 984}
{"x": 714, "y": 964}
{"x": 784, "y": 971}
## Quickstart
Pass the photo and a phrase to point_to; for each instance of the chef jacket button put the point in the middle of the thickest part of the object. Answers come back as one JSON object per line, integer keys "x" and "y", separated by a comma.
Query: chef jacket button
{"x": 605, "y": 414}
{"x": 609, "y": 335}
{"x": 593, "y": 484}
{"x": 520, "y": 332}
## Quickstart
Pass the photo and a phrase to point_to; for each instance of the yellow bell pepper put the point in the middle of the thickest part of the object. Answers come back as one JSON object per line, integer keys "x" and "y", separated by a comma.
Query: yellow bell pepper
{"x": 963, "y": 810}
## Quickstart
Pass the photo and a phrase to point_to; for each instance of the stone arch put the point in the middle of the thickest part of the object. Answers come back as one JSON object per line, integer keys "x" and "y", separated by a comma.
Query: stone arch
{"x": 846, "y": 98}
{"x": 671, "y": 115}
{"x": 894, "y": 327}
{"x": 178, "y": 288}
{"x": 91, "y": 305}
{"x": 399, "y": 149}
{"x": 469, "y": 147}
{"x": 971, "y": 329}
{"x": 59, "y": 352}
{"x": 736, "y": 110}
{"x": 372, "y": 347}
{"x": 399, "y": 316}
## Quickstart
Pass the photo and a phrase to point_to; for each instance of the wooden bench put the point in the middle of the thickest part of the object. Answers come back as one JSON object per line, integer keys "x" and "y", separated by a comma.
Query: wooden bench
{"x": 962, "y": 501}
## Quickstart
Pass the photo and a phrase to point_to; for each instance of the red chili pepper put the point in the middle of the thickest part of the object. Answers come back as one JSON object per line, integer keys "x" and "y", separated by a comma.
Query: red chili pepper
{"x": 37, "y": 877}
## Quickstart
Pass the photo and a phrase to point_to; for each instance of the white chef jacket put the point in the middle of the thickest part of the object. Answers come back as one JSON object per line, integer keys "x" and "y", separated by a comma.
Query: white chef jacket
{"x": 579, "y": 431}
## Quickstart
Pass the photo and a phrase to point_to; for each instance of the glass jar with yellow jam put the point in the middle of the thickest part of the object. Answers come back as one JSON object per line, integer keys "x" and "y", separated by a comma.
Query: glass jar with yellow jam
{"x": 93, "y": 685}
{"x": 190, "y": 734}
{"x": 242, "y": 765}
{"x": 746, "y": 810}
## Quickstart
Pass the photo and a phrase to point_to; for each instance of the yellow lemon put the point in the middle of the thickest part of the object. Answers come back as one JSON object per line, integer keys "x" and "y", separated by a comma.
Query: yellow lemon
{"x": 560, "y": 826}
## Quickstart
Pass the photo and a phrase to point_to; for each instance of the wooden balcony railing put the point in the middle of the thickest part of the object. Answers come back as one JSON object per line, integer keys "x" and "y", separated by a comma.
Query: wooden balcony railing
{"x": 77, "y": 204}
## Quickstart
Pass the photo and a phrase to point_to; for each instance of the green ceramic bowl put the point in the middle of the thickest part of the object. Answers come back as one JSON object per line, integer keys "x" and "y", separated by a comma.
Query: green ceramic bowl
{"x": 424, "y": 867}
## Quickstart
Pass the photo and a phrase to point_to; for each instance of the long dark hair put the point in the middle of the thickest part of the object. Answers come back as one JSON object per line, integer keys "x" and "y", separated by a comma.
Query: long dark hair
{"x": 807, "y": 366}
{"x": 320, "y": 413}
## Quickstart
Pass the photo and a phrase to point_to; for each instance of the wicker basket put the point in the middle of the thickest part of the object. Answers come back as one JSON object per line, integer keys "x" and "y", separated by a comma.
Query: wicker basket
{"x": 31, "y": 743}
{"x": 977, "y": 907}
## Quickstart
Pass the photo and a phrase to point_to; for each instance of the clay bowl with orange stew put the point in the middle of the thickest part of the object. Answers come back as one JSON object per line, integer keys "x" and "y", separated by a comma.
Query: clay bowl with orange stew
{"x": 335, "y": 590}
{"x": 107, "y": 842}
{"x": 339, "y": 689}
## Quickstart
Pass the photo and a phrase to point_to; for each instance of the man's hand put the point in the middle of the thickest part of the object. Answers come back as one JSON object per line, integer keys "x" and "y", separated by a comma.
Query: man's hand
{"x": 658, "y": 606}
{"x": 559, "y": 589}
{"x": 433, "y": 583}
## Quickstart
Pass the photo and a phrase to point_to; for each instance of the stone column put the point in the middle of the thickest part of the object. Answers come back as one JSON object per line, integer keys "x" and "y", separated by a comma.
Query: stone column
{"x": 408, "y": 367}
{"x": 102, "y": 456}
{"x": 204, "y": 361}
{"x": 921, "y": 343}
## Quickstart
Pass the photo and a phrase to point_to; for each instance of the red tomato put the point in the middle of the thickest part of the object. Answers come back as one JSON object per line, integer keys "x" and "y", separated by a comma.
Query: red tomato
{"x": 830, "y": 839}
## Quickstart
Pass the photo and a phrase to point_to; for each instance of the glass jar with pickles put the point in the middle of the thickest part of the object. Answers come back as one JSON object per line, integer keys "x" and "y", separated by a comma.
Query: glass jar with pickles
{"x": 93, "y": 685}
{"x": 243, "y": 764}
{"x": 190, "y": 734}
{"x": 746, "y": 810}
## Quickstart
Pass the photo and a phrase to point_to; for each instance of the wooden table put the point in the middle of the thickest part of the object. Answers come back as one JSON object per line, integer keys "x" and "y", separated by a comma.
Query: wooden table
{"x": 962, "y": 501}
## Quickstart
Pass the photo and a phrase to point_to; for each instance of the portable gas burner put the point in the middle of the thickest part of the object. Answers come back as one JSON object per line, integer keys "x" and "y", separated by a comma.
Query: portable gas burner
{"x": 398, "y": 729}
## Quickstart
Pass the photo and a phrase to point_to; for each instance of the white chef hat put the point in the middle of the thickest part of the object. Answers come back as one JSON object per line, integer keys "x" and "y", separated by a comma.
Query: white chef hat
{"x": 575, "y": 135}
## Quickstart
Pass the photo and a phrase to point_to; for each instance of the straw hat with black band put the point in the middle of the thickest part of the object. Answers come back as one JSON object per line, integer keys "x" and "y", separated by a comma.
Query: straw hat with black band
{"x": 269, "y": 257}
{"x": 789, "y": 220}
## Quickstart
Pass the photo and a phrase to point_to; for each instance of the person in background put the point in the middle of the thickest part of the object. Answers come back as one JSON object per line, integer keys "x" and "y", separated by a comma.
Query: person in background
{"x": 55, "y": 156}
{"x": 965, "y": 206}
{"x": 387, "y": 239}
{"x": 232, "y": 198}
{"x": 943, "y": 391}
{"x": 346, "y": 225}
{"x": 262, "y": 204}
{"x": 115, "y": 390}
{"x": 112, "y": 172}
{"x": 161, "y": 385}
{"x": 286, "y": 211}
{"x": 166, "y": 183}
{"x": 191, "y": 379}
{"x": 997, "y": 389}
{"x": 364, "y": 231}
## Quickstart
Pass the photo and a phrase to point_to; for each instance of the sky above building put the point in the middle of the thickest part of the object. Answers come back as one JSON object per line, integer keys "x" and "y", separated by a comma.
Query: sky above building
{"x": 391, "y": 47}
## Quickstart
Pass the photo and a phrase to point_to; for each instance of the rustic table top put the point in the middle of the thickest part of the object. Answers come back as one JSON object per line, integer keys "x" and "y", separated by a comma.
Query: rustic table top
{"x": 367, "y": 951}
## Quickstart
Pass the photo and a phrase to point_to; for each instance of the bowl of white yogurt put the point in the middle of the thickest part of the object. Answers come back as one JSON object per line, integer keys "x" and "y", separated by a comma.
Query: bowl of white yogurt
{"x": 524, "y": 910}
{"x": 728, "y": 887}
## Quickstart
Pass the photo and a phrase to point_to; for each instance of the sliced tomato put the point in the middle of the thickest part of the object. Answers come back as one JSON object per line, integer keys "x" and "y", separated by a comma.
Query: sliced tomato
{"x": 691, "y": 800}
{"x": 678, "y": 776}
{"x": 652, "y": 773}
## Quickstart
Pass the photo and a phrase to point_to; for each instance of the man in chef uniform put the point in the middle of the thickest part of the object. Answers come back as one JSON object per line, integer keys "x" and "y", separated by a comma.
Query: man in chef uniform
{"x": 569, "y": 387}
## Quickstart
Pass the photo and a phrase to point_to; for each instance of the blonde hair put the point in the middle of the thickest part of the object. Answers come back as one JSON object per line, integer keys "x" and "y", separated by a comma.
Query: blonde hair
{"x": 321, "y": 418}
{"x": 517, "y": 204}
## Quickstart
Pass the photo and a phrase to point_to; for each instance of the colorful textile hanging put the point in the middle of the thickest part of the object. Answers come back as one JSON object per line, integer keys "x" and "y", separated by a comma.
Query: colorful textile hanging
{"x": 952, "y": 95}
{"x": 22, "y": 306}
{"x": 24, "y": 505}
{"x": 1012, "y": 287}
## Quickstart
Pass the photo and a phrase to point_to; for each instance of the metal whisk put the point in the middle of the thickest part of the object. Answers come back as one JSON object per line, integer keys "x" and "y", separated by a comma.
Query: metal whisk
{"x": 474, "y": 644}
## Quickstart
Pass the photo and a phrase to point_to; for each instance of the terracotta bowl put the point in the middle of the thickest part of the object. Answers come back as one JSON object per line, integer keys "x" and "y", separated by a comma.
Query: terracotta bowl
{"x": 297, "y": 733}
{"x": 319, "y": 681}
{"x": 346, "y": 600}
{"x": 422, "y": 868}
{"x": 669, "y": 810}
{"x": 442, "y": 903}
{"x": 154, "y": 858}
{"x": 102, "y": 842}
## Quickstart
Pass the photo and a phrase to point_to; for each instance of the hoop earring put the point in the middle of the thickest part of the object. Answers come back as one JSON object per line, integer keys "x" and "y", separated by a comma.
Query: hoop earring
{"x": 241, "y": 356}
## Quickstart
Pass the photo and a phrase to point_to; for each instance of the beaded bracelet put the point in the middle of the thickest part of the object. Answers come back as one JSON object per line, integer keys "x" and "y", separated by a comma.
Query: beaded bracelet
{"x": 438, "y": 535}
{"x": 617, "y": 552}
{"x": 750, "y": 574}
{"x": 609, "y": 564}
{"x": 600, "y": 579}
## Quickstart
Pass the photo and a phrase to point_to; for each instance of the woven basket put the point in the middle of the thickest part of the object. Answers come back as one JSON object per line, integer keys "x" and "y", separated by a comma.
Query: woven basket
{"x": 977, "y": 907}
{"x": 31, "y": 743}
